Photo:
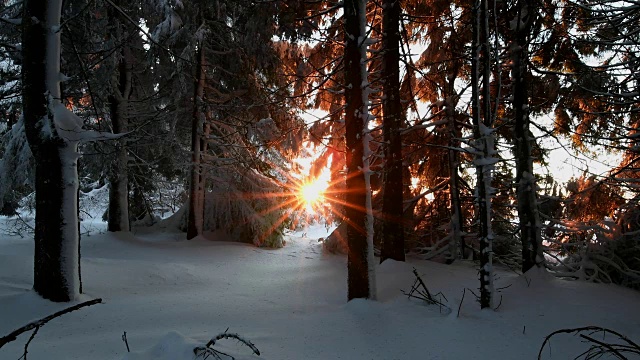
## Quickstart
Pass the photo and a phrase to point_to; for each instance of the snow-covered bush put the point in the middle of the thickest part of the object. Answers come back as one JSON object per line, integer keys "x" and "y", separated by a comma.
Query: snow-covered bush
{"x": 507, "y": 251}
{"x": 620, "y": 260}
{"x": 599, "y": 259}
{"x": 245, "y": 207}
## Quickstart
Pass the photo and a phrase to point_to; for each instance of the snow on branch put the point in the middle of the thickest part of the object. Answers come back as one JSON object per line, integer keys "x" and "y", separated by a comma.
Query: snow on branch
{"x": 10, "y": 21}
{"x": 170, "y": 23}
{"x": 69, "y": 125}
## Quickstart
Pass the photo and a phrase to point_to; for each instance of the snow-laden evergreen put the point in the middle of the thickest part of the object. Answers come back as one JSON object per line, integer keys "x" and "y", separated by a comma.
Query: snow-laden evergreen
{"x": 16, "y": 167}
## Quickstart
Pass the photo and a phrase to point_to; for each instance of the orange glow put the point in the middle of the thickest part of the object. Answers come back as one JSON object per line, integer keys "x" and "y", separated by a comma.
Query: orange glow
{"x": 303, "y": 196}
{"x": 312, "y": 192}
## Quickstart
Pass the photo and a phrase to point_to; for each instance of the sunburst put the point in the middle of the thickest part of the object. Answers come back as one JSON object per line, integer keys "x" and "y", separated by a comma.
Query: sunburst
{"x": 312, "y": 192}
{"x": 311, "y": 197}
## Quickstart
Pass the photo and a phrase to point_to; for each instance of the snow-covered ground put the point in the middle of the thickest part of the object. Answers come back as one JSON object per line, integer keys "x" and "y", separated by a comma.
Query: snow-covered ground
{"x": 170, "y": 295}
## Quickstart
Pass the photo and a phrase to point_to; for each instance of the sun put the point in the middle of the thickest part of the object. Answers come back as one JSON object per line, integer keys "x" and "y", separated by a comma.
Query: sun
{"x": 312, "y": 192}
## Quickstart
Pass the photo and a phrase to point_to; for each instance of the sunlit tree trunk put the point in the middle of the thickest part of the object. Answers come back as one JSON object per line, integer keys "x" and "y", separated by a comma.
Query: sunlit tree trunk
{"x": 392, "y": 204}
{"x": 196, "y": 201}
{"x": 529, "y": 219}
{"x": 119, "y": 102}
{"x": 357, "y": 197}
{"x": 57, "y": 237}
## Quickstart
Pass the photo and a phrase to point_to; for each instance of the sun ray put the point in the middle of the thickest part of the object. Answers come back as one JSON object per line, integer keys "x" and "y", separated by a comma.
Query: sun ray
{"x": 300, "y": 195}
{"x": 275, "y": 225}
{"x": 347, "y": 204}
{"x": 280, "y": 206}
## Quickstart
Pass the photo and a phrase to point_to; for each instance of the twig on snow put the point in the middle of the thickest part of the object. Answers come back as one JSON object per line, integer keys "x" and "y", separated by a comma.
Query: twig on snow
{"x": 206, "y": 351}
{"x": 598, "y": 348}
{"x": 423, "y": 292}
{"x": 124, "y": 338}
{"x": 464, "y": 291}
{"x": 26, "y": 345}
{"x": 39, "y": 323}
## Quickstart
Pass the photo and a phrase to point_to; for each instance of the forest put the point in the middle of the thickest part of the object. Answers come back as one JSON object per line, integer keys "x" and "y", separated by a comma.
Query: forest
{"x": 502, "y": 135}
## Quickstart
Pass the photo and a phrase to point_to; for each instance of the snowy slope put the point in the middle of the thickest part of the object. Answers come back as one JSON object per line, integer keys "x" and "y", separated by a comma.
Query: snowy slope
{"x": 170, "y": 295}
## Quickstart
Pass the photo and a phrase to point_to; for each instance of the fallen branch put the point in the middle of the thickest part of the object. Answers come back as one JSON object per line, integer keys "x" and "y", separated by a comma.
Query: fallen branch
{"x": 598, "y": 348}
{"x": 26, "y": 345}
{"x": 126, "y": 342}
{"x": 423, "y": 292}
{"x": 208, "y": 350}
{"x": 39, "y": 323}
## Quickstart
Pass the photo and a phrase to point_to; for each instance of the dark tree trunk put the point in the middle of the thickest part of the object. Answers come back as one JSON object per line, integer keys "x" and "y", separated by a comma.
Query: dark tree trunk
{"x": 56, "y": 238}
{"x": 204, "y": 149}
{"x": 392, "y": 219}
{"x": 454, "y": 181}
{"x": 119, "y": 176}
{"x": 196, "y": 201}
{"x": 529, "y": 219}
{"x": 355, "y": 197}
{"x": 481, "y": 122}
{"x": 49, "y": 268}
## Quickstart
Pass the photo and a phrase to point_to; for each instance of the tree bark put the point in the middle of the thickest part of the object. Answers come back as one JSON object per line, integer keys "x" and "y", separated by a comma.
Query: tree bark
{"x": 356, "y": 191}
{"x": 527, "y": 197}
{"x": 454, "y": 181}
{"x": 56, "y": 237}
{"x": 119, "y": 176}
{"x": 482, "y": 120}
{"x": 392, "y": 204}
{"x": 196, "y": 201}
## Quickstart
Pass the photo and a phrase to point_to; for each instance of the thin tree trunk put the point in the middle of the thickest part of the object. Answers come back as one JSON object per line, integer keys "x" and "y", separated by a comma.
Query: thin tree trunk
{"x": 204, "y": 148}
{"x": 456, "y": 241}
{"x": 119, "y": 176}
{"x": 408, "y": 206}
{"x": 196, "y": 202}
{"x": 484, "y": 146}
{"x": 529, "y": 219}
{"x": 56, "y": 237}
{"x": 356, "y": 190}
{"x": 392, "y": 219}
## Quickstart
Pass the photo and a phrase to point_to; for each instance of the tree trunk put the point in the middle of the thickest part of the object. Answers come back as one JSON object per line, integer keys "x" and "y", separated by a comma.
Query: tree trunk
{"x": 529, "y": 219}
{"x": 196, "y": 201}
{"x": 204, "y": 149}
{"x": 392, "y": 219}
{"x": 119, "y": 176}
{"x": 483, "y": 143}
{"x": 57, "y": 237}
{"x": 456, "y": 241}
{"x": 359, "y": 282}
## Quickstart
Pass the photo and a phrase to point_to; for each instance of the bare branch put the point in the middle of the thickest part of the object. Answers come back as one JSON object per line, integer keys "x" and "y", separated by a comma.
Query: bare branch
{"x": 38, "y": 323}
